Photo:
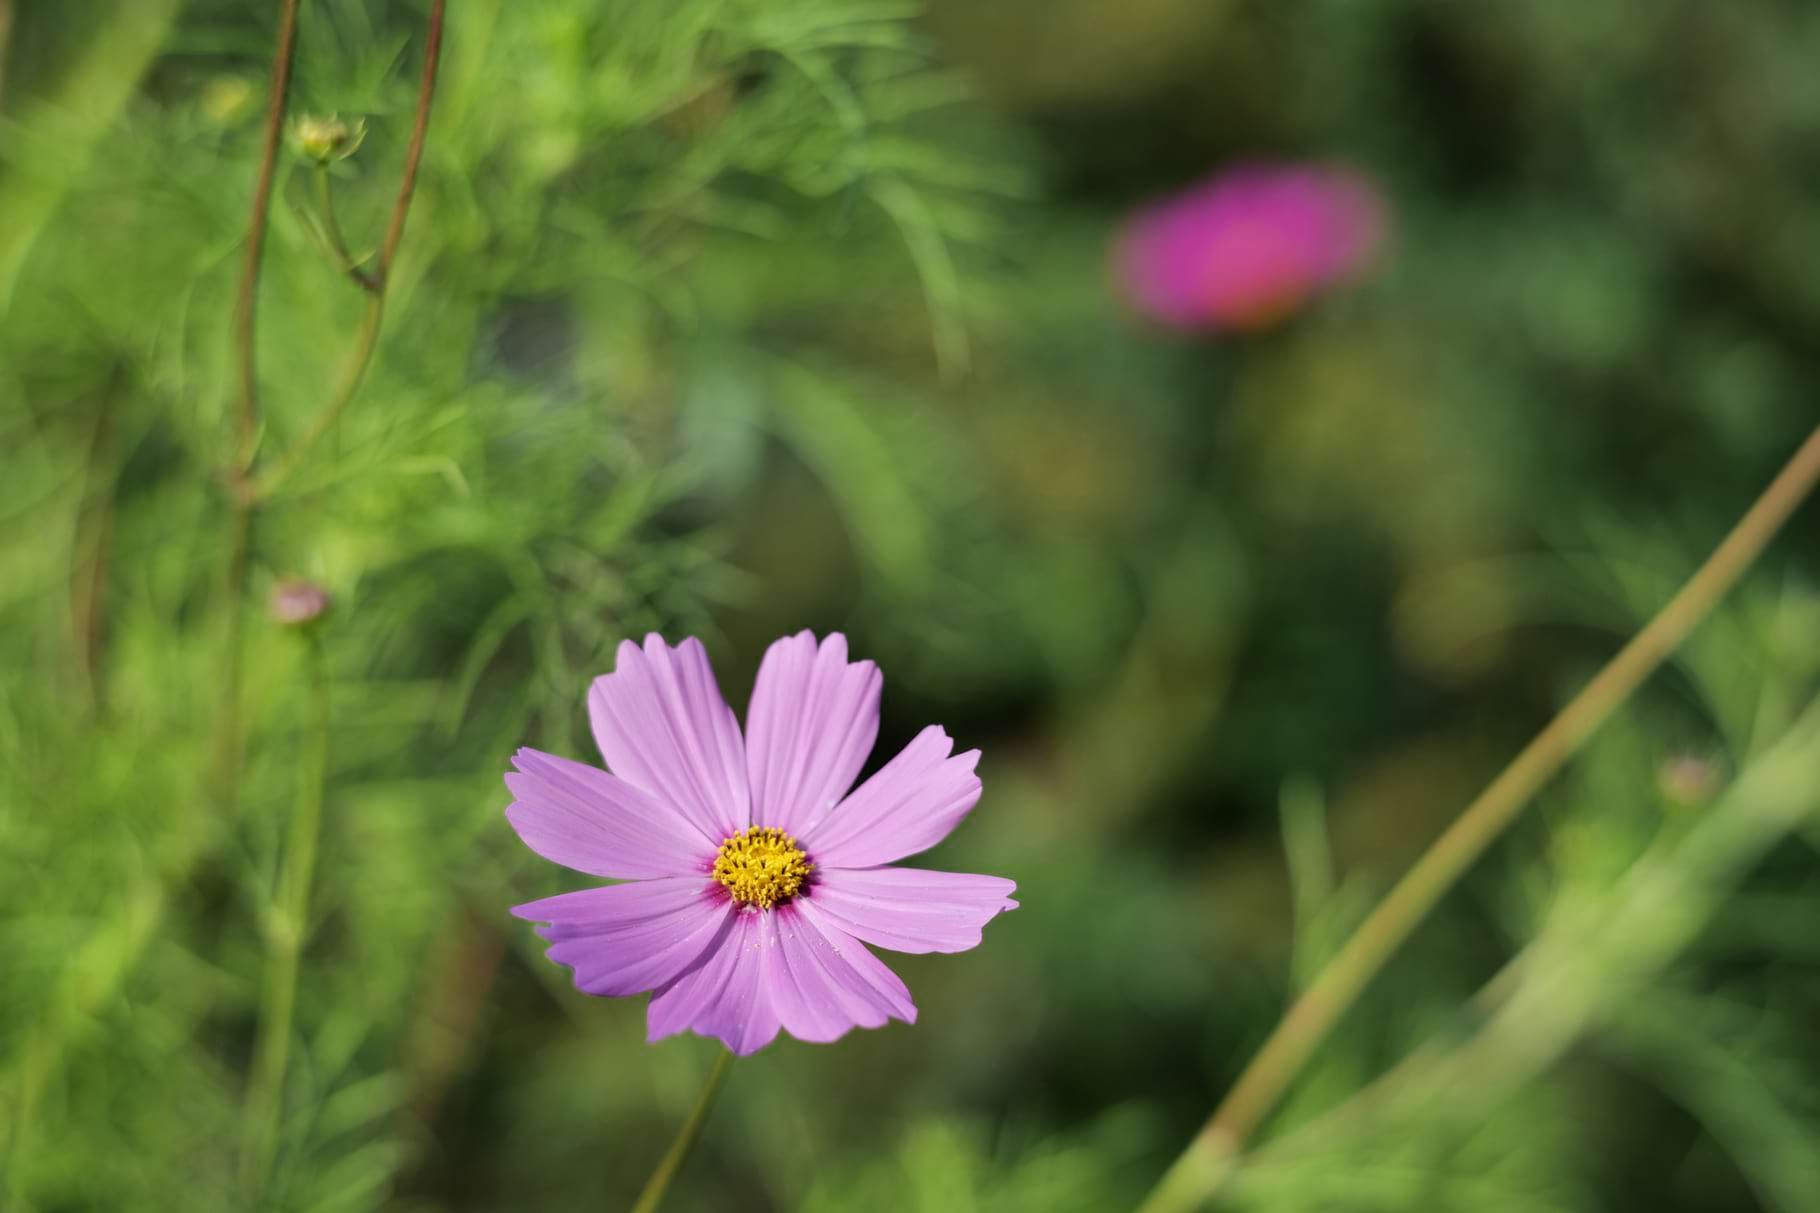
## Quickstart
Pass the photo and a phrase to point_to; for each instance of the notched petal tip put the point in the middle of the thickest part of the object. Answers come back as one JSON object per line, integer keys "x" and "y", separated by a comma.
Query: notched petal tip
{"x": 519, "y": 764}
{"x": 913, "y": 909}
{"x": 810, "y": 726}
{"x": 907, "y": 806}
{"x": 661, "y": 724}
{"x": 528, "y": 911}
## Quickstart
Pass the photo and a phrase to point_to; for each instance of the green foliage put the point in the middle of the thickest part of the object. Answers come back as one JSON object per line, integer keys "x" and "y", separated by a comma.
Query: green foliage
{"x": 730, "y": 317}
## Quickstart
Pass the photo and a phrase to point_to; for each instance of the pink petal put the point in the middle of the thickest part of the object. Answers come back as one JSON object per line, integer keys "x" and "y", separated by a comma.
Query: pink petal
{"x": 662, "y": 725}
{"x": 819, "y": 993}
{"x": 863, "y": 975}
{"x": 911, "y": 909}
{"x": 912, "y": 803}
{"x": 809, "y": 1003}
{"x": 627, "y": 938}
{"x": 723, "y": 995}
{"x": 811, "y": 725}
{"x": 583, "y": 818}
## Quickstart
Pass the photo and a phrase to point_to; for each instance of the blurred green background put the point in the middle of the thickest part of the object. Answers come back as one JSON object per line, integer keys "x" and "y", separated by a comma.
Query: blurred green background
{"x": 731, "y": 317}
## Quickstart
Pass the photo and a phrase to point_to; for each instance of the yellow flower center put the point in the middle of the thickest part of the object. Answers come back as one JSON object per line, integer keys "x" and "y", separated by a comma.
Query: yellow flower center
{"x": 761, "y": 867}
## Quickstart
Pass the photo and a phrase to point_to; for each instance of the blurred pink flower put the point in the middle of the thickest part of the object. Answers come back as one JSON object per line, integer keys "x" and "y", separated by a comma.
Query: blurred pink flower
{"x": 1249, "y": 246}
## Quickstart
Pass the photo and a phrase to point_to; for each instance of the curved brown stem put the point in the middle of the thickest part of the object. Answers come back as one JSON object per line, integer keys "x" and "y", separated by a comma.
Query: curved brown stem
{"x": 413, "y": 156}
{"x": 244, "y": 313}
{"x": 6, "y": 38}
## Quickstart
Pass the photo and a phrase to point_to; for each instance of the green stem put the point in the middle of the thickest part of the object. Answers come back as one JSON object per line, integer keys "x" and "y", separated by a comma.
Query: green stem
{"x": 229, "y": 737}
{"x": 1207, "y": 1163}
{"x": 673, "y": 1158}
{"x": 366, "y": 338}
{"x": 1539, "y": 1003}
{"x": 229, "y": 731}
{"x": 331, "y": 230}
{"x": 287, "y": 925}
{"x": 353, "y": 373}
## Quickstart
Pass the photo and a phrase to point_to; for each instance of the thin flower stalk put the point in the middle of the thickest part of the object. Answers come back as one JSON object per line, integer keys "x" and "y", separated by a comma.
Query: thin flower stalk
{"x": 287, "y": 919}
{"x": 286, "y": 930}
{"x": 247, "y": 300}
{"x": 228, "y": 741}
{"x": 6, "y": 38}
{"x": 1204, "y": 1167}
{"x": 1541, "y": 1001}
{"x": 659, "y": 1184}
{"x": 366, "y": 336}
{"x": 245, "y": 492}
{"x": 331, "y": 230}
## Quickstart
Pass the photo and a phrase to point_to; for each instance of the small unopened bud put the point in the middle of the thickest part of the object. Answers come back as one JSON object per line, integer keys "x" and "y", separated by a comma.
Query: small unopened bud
{"x": 325, "y": 140}
{"x": 1686, "y": 781}
{"x": 297, "y": 603}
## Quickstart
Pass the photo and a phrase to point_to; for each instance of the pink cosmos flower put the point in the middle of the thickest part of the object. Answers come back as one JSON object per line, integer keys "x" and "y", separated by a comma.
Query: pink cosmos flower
{"x": 1240, "y": 251}
{"x": 752, "y": 873}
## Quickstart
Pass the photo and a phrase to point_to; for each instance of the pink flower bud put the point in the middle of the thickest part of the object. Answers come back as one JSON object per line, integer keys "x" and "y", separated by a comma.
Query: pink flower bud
{"x": 296, "y": 602}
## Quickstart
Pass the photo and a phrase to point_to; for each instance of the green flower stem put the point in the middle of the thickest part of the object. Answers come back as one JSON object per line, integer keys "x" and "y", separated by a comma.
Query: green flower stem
{"x": 287, "y": 921}
{"x": 229, "y": 740}
{"x": 1203, "y": 1168}
{"x": 1580, "y": 970}
{"x": 366, "y": 337}
{"x": 287, "y": 926}
{"x": 659, "y": 1183}
{"x": 331, "y": 230}
{"x": 353, "y": 373}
